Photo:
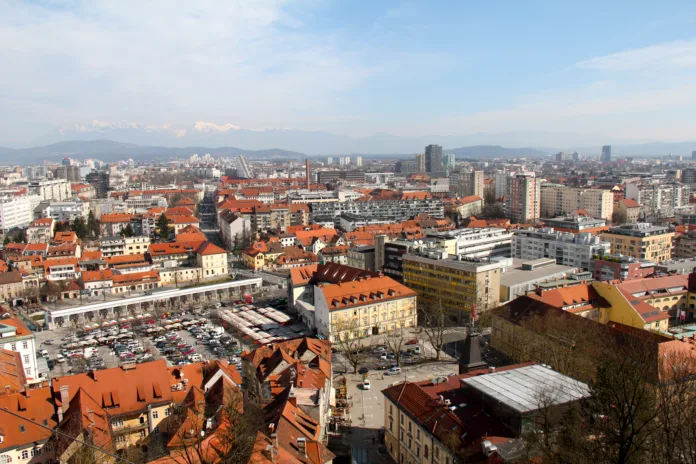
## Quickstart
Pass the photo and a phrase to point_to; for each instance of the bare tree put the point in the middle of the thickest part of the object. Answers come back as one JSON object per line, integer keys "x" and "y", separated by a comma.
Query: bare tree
{"x": 214, "y": 432}
{"x": 395, "y": 342}
{"x": 433, "y": 322}
{"x": 347, "y": 341}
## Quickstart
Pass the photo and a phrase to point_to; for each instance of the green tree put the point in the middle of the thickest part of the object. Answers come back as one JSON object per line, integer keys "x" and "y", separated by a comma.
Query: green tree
{"x": 21, "y": 236}
{"x": 92, "y": 225}
{"x": 7, "y": 240}
{"x": 79, "y": 227}
{"x": 128, "y": 231}
{"x": 163, "y": 226}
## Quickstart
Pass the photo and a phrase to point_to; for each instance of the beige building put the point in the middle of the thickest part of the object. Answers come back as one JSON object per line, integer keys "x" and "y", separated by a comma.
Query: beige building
{"x": 471, "y": 183}
{"x": 523, "y": 197}
{"x": 212, "y": 260}
{"x": 459, "y": 285}
{"x": 640, "y": 240}
{"x": 626, "y": 211}
{"x": 342, "y": 301}
{"x": 136, "y": 245}
{"x": 559, "y": 200}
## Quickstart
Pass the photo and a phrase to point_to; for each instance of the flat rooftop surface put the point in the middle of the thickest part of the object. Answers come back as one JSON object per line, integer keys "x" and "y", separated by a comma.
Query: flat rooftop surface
{"x": 528, "y": 388}
{"x": 515, "y": 275}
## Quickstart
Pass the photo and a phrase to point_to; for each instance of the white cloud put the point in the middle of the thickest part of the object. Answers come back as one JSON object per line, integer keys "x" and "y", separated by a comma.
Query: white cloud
{"x": 679, "y": 53}
{"x": 173, "y": 62}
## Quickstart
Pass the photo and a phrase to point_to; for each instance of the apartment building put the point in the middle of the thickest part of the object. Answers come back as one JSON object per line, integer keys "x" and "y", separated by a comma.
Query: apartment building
{"x": 132, "y": 402}
{"x": 621, "y": 267}
{"x": 15, "y": 211}
{"x": 467, "y": 183}
{"x": 395, "y": 210}
{"x": 522, "y": 201}
{"x": 641, "y": 240}
{"x": 342, "y": 301}
{"x": 41, "y": 230}
{"x": 475, "y": 242}
{"x": 62, "y": 211}
{"x": 460, "y": 285}
{"x": 627, "y": 211}
{"x": 83, "y": 191}
{"x": 559, "y": 200}
{"x": 18, "y": 338}
{"x": 685, "y": 245}
{"x": 53, "y": 189}
{"x": 659, "y": 199}
{"x": 566, "y": 248}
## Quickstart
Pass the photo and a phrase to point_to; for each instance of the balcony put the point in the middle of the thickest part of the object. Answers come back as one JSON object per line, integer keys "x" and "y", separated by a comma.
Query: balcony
{"x": 128, "y": 429}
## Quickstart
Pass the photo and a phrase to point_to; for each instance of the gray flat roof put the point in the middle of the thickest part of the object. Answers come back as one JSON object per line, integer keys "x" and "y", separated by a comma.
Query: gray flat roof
{"x": 515, "y": 275}
{"x": 529, "y": 388}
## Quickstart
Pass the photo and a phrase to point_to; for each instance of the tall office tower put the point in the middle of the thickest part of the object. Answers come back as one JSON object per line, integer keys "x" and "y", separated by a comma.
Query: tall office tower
{"x": 561, "y": 156}
{"x": 522, "y": 199}
{"x": 342, "y": 161}
{"x": 576, "y": 156}
{"x": 450, "y": 162}
{"x": 433, "y": 159}
{"x": 329, "y": 160}
{"x": 100, "y": 181}
{"x": 420, "y": 163}
{"x": 358, "y": 161}
{"x": 606, "y": 154}
{"x": 471, "y": 183}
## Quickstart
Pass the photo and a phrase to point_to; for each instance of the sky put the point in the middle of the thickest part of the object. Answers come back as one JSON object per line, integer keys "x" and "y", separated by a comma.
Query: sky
{"x": 617, "y": 69}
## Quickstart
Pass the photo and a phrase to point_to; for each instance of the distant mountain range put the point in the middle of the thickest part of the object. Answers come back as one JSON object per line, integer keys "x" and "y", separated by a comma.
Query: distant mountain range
{"x": 108, "y": 150}
{"x": 299, "y": 144}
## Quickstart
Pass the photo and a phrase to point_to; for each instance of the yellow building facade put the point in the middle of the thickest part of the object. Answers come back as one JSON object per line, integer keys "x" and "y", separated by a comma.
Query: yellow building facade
{"x": 641, "y": 240}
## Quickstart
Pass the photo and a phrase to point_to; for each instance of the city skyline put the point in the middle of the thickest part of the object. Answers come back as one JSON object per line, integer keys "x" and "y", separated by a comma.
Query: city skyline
{"x": 349, "y": 70}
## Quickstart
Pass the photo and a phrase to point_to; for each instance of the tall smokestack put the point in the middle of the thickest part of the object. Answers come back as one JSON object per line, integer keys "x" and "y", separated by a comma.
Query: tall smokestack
{"x": 307, "y": 169}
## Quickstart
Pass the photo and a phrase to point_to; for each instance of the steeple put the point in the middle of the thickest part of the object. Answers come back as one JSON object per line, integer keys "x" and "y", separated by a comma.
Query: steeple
{"x": 470, "y": 358}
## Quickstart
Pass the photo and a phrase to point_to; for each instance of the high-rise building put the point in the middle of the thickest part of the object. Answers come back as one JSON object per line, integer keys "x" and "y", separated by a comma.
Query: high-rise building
{"x": 100, "y": 181}
{"x": 433, "y": 159}
{"x": 347, "y": 160}
{"x": 342, "y": 161}
{"x": 606, "y": 154}
{"x": 358, "y": 161}
{"x": 523, "y": 198}
{"x": 693, "y": 154}
{"x": 561, "y": 156}
{"x": 471, "y": 183}
{"x": 559, "y": 200}
{"x": 450, "y": 162}
{"x": 329, "y": 160}
{"x": 501, "y": 179}
{"x": 420, "y": 162}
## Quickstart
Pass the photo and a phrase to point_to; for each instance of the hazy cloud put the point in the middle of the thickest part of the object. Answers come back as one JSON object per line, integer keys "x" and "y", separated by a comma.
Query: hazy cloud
{"x": 679, "y": 53}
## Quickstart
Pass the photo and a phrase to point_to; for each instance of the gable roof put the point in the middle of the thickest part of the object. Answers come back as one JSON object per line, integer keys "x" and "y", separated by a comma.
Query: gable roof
{"x": 35, "y": 407}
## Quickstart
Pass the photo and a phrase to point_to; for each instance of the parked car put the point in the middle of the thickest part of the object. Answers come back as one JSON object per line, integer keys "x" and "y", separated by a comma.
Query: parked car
{"x": 393, "y": 371}
{"x": 60, "y": 358}
{"x": 413, "y": 341}
{"x": 366, "y": 384}
{"x": 44, "y": 353}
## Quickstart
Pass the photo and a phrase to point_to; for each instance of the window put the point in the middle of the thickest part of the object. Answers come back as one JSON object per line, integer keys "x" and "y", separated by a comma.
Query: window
{"x": 425, "y": 452}
{"x": 25, "y": 454}
{"x": 156, "y": 429}
{"x": 409, "y": 426}
{"x": 4, "y": 459}
{"x": 26, "y": 358}
{"x": 120, "y": 439}
{"x": 402, "y": 419}
{"x": 417, "y": 451}
{"x": 117, "y": 423}
{"x": 142, "y": 434}
{"x": 155, "y": 414}
{"x": 25, "y": 345}
{"x": 417, "y": 434}
{"x": 13, "y": 347}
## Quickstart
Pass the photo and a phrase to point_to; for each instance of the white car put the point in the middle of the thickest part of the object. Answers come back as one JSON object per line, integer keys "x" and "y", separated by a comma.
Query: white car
{"x": 393, "y": 371}
{"x": 44, "y": 353}
{"x": 60, "y": 358}
{"x": 366, "y": 384}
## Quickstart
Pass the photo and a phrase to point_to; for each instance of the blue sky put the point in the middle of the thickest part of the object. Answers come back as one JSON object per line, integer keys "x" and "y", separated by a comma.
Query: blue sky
{"x": 616, "y": 69}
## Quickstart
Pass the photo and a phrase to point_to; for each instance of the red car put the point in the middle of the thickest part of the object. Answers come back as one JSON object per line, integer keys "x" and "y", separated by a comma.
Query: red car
{"x": 413, "y": 341}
